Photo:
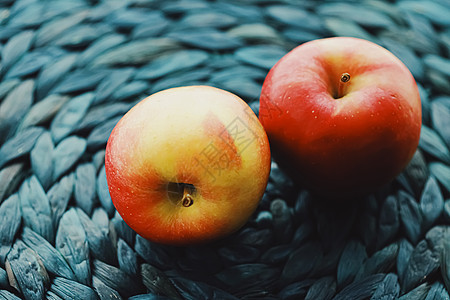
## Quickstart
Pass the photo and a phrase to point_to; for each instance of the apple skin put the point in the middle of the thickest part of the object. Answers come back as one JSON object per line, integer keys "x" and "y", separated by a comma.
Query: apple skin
{"x": 348, "y": 145}
{"x": 197, "y": 135}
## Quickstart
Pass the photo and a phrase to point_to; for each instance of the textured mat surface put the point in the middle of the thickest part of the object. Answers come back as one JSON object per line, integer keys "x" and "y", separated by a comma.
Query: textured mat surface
{"x": 70, "y": 69}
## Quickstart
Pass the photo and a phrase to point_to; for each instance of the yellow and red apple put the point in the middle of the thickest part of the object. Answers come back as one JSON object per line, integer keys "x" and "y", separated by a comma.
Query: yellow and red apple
{"x": 343, "y": 115}
{"x": 187, "y": 165}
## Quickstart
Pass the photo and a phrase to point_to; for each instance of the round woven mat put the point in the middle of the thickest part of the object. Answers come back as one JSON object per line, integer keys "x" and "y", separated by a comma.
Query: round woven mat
{"x": 70, "y": 69}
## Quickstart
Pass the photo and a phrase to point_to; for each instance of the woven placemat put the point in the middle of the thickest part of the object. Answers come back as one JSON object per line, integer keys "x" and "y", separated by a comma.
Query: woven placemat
{"x": 70, "y": 69}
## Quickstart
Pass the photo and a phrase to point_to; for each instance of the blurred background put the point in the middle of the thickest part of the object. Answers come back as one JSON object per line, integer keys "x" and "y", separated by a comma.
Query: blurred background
{"x": 70, "y": 69}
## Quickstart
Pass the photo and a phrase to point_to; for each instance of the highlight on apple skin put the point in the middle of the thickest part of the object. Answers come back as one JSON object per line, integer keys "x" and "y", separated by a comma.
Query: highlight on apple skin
{"x": 343, "y": 116}
{"x": 187, "y": 165}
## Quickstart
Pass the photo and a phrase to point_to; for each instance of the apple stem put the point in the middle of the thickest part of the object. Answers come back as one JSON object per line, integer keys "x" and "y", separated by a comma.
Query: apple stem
{"x": 345, "y": 77}
{"x": 187, "y": 199}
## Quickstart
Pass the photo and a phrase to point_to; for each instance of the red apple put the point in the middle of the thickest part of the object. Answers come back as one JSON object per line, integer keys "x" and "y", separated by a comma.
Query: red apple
{"x": 343, "y": 115}
{"x": 187, "y": 165}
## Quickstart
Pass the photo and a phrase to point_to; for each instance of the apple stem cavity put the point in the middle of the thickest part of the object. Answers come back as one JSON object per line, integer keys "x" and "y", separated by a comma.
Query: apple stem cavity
{"x": 187, "y": 199}
{"x": 181, "y": 193}
{"x": 345, "y": 78}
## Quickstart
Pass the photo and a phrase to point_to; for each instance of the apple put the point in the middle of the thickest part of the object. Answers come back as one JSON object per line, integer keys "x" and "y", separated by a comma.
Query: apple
{"x": 187, "y": 165}
{"x": 343, "y": 116}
